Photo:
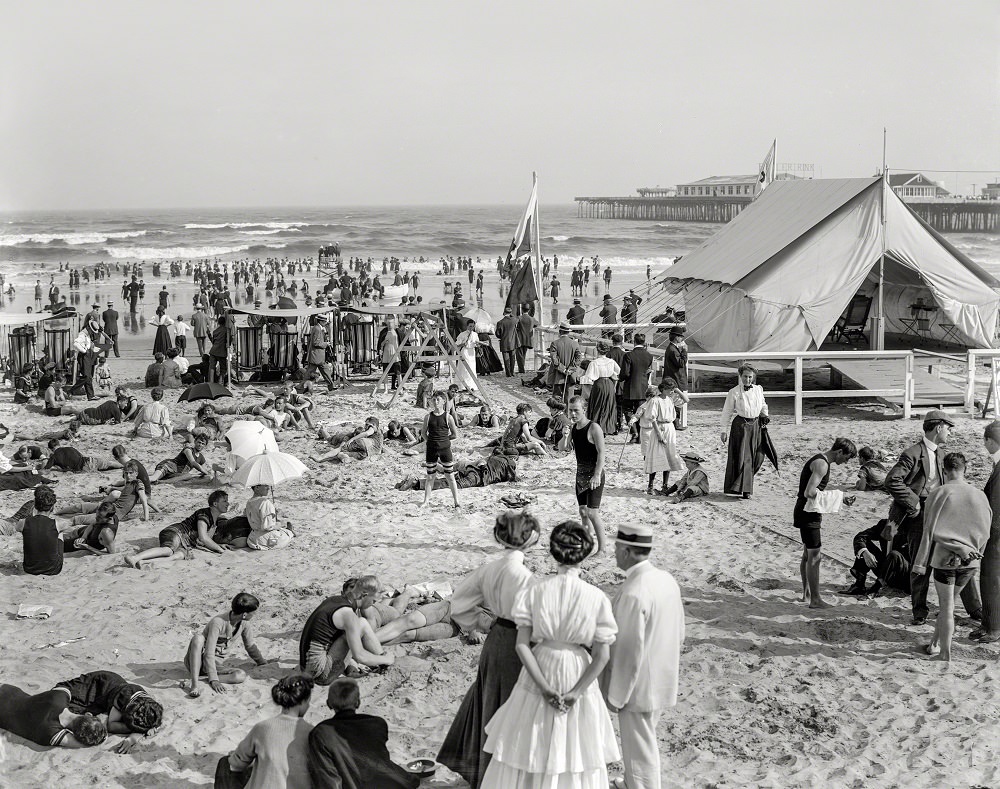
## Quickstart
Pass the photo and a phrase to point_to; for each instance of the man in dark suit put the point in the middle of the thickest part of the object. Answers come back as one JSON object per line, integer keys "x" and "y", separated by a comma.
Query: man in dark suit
{"x": 110, "y": 318}
{"x": 609, "y": 314}
{"x": 675, "y": 359}
{"x": 918, "y": 471}
{"x": 564, "y": 359}
{"x": 620, "y": 357}
{"x": 640, "y": 360}
{"x": 506, "y": 331}
{"x": 525, "y": 336}
{"x": 989, "y": 569}
{"x": 367, "y": 736}
{"x": 575, "y": 313}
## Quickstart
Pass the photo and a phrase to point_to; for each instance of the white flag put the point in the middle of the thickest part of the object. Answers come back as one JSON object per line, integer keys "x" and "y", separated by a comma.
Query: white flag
{"x": 766, "y": 172}
{"x": 520, "y": 245}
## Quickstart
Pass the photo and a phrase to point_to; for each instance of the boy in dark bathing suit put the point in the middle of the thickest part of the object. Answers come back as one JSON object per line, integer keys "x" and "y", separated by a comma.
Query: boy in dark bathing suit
{"x": 438, "y": 431}
{"x": 814, "y": 477}
{"x": 587, "y": 438}
{"x": 130, "y": 709}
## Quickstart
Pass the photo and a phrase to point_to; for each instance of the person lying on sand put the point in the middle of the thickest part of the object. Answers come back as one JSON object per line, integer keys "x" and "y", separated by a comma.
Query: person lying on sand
{"x": 129, "y": 501}
{"x": 212, "y": 644}
{"x": 71, "y": 432}
{"x": 44, "y": 719}
{"x": 65, "y": 458}
{"x": 202, "y": 529}
{"x": 29, "y": 457}
{"x": 366, "y": 442}
{"x": 494, "y": 470}
{"x": 99, "y": 537}
{"x": 130, "y": 709}
{"x": 205, "y": 420}
{"x": 397, "y": 431}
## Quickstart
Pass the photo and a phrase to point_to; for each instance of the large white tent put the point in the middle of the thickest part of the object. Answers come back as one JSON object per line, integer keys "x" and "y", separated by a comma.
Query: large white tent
{"x": 779, "y": 276}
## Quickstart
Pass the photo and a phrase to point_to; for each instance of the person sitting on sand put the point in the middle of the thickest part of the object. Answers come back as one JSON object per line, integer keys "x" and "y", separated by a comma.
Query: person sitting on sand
{"x": 456, "y": 401}
{"x": 198, "y": 530}
{"x": 126, "y": 501}
{"x": 335, "y": 630}
{"x": 129, "y": 404}
{"x": 279, "y": 417}
{"x": 190, "y": 458}
{"x": 265, "y": 534}
{"x": 368, "y": 737}
{"x": 213, "y": 643}
{"x": 130, "y": 709}
{"x": 276, "y": 750}
{"x": 873, "y": 553}
{"x": 495, "y": 469}
{"x": 485, "y": 418}
{"x": 55, "y": 397}
{"x": 693, "y": 484}
{"x": 171, "y": 372}
{"x": 153, "y": 419}
{"x": 22, "y": 385}
{"x": 299, "y": 404}
{"x": 42, "y": 543}
{"x": 871, "y": 475}
{"x": 67, "y": 458}
{"x": 154, "y": 373}
{"x": 517, "y": 438}
{"x": 397, "y": 431}
{"x": 366, "y": 442}
{"x": 43, "y": 718}
{"x": 425, "y": 389}
{"x": 554, "y": 429}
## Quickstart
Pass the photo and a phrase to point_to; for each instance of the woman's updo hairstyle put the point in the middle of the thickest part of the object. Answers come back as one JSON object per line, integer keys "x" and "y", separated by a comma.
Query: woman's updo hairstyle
{"x": 570, "y": 543}
{"x": 516, "y": 529}
{"x": 291, "y": 691}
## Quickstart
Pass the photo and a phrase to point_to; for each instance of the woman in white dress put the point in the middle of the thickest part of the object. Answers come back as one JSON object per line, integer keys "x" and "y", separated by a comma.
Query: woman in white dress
{"x": 467, "y": 342}
{"x": 657, "y": 434}
{"x": 555, "y": 732}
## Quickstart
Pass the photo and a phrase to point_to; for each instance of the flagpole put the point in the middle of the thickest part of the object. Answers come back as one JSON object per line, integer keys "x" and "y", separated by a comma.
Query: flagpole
{"x": 536, "y": 243}
{"x": 880, "y": 320}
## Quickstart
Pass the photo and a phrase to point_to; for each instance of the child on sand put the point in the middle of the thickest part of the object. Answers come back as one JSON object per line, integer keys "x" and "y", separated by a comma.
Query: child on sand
{"x": 425, "y": 388}
{"x": 190, "y": 458}
{"x": 265, "y": 534}
{"x": 213, "y": 643}
{"x": 517, "y": 439}
{"x": 438, "y": 431}
{"x": 871, "y": 475}
{"x": 693, "y": 484}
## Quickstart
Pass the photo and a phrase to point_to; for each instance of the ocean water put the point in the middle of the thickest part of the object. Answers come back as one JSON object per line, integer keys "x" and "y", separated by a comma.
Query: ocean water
{"x": 35, "y": 243}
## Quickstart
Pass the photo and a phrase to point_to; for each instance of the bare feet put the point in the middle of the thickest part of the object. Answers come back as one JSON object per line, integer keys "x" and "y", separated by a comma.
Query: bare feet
{"x": 820, "y": 603}
{"x": 193, "y": 692}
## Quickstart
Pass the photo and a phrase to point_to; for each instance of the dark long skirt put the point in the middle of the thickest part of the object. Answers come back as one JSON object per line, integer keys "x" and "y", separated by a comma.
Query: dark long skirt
{"x": 744, "y": 440}
{"x": 162, "y": 343}
{"x": 499, "y": 668}
{"x": 487, "y": 361}
{"x": 602, "y": 406}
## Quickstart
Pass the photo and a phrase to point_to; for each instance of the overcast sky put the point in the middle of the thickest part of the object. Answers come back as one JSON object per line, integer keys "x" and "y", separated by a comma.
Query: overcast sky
{"x": 178, "y": 104}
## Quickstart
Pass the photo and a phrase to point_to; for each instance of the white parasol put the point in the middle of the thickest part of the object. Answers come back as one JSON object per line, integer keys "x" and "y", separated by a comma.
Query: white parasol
{"x": 269, "y": 468}
{"x": 248, "y": 438}
{"x": 484, "y": 321}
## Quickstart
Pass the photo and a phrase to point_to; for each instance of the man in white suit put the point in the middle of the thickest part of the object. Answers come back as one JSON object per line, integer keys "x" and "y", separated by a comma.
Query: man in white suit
{"x": 641, "y": 677}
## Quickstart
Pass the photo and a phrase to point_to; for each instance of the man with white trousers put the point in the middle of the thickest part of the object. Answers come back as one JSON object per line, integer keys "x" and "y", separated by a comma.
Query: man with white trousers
{"x": 642, "y": 676}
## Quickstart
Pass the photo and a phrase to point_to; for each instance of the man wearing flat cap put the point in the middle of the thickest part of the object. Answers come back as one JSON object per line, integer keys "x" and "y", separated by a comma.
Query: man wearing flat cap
{"x": 642, "y": 675}
{"x": 920, "y": 470}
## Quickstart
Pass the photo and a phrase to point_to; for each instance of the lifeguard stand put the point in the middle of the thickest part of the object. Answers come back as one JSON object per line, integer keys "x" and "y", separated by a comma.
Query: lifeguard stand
{"x": 432, "y": 350}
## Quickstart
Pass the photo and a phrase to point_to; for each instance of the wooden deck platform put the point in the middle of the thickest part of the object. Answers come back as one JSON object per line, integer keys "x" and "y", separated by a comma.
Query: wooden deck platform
{"x": 928, "y": 389}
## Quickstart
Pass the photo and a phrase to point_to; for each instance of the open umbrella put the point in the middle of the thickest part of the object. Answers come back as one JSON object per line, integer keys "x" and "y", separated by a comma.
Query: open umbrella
{"x": 269, "y": 468}
{"x": 484, "y": 322}
{"x": 204, "y": 392}
{"x": 248, "y": 438}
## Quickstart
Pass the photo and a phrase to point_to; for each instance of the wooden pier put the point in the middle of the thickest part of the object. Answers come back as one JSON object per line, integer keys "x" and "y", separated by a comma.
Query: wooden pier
{"x": 945, "y": 216}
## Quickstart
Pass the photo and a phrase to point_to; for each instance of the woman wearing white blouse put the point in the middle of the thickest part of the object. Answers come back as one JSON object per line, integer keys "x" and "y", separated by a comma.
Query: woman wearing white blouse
{"x": 746, "y": 401}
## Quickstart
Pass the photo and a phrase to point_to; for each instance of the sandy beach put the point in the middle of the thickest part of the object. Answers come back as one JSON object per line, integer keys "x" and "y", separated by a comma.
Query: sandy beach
{"x": 772, "y": 694}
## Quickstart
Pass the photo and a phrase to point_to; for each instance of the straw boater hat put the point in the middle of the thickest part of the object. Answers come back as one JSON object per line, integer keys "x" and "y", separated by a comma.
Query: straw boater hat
{"x": 564, "y": 327}
{"x": 694, "y": 457}
{"x": 637, "y": 535}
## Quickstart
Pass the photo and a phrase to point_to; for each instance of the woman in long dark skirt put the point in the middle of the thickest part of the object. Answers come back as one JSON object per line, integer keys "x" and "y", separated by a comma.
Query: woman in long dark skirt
{"x": 746, "y": 401}
{"x": 162, "y": 342}
{"x": 599, "y": 382}
{"x": 494, "y": 587}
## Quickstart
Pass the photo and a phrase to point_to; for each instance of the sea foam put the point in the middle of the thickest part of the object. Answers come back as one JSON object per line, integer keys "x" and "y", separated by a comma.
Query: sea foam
{"x": 74, "y": 239}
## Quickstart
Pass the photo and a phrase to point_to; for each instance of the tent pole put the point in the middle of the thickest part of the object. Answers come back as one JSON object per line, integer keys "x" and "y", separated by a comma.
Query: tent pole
{"x": 880, "y": 320}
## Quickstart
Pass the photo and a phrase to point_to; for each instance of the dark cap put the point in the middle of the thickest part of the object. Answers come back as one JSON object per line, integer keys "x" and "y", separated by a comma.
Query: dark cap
{"x": 936, "y": 415}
